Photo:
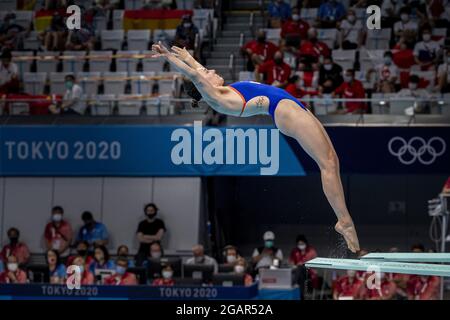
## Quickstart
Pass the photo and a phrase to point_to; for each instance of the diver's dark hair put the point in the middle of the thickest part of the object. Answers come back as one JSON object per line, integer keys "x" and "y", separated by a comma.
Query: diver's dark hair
{"x": 192, "y": 92}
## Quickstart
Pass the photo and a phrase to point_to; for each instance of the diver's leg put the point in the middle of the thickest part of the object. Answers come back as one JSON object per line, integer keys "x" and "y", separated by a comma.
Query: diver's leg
{"x": 309, "y": 133}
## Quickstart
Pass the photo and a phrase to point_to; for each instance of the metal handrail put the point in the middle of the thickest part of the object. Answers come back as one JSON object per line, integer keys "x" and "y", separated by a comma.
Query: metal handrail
{"x": 231, "y": 67}
{"x": 252, "y": 24}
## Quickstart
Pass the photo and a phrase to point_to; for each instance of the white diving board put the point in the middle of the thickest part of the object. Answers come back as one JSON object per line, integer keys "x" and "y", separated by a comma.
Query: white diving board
{"x": 383, "y": 266}
{"x": 409, "y": 257}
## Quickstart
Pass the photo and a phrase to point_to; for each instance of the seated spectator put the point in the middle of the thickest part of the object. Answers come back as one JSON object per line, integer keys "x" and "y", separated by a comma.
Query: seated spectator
{"x": 9, "y": 73}
{"x": 13, "y": 273}
{"x": 121, "y": 276}
{"x": 72, "y": 103}
{"x": 351, "y": 88}
{"x": 330, "y": 12}
{"x": 437, "y": 13}
{"x": 405, "y": 27}
{"x": 156, "y": 252}
{"x": 308, "y": 78}
{"x": 83, "y": 251}
{"x": 267, "y": 255}
{"x": 58, "y": 233}
{"x": 330, "y": 75}
{"x": 301, "y": 254}
{"x": 294, "y": 88}
{"x": 279, "y": 11}
{"x": 414, "y": 91}
{"x": 101, "y": 260}
{"x": 15, "y": 248}
{"x": 185, "y": 34}
{"x": 230, "y": 255}
{"x": 427, "y": 51}
{"x": 199, "y": 257}
{"x": 293, "y": 31}
{"x": 123, "y": 251}
{"x": 56, "y": 269}
{"x": 149, "y": 230}
{"x": 95, "y": 233}
{"x": 166, "y": 278}
{"x": 11, "y": 34}
{"x": 87, "y": 278}
{"x": 443, "y": 74}
{"x": 389, "y": 13}
{"x": 386, "y": 74}
{"x": 423, "y": 287}
{"x": 351, "y": 33}
{"x": 54, "y": 37}
{"x": 313, "y": 50}
{"x": 80, "y": 39}
{"x": 387, "y": 290}
{"x": 275, "y": 72}
{"x": 258, "y": 51}
{"x": 241, "y": 268}
{"x": 348, "y": 286}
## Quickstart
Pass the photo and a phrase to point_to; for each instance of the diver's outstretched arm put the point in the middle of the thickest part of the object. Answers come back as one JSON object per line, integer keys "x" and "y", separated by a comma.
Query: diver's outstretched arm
{"x": 185, "y": 56}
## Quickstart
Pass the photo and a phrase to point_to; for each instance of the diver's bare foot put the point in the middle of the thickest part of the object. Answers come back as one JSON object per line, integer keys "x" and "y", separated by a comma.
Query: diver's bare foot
{"x": 348, "y": 231}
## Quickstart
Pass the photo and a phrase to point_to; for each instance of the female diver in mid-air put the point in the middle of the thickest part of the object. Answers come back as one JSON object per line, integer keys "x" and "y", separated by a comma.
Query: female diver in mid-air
{"x": 247, "y": 98}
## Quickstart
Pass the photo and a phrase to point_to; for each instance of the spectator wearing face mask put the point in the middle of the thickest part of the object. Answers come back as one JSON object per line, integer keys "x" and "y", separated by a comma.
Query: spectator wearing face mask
{"x": 312, "y": 50}
{"x": 121, "y": 276}
{"x": 185, "y": 34}
{"x": 301, "y": 254}
{"x": 405, "y": 27}
{"x": 9, "y": 73}
{"x": 58, "y": 232}
{"x": 13, "y": 274}
{"x": 11, "y": 34}
{"x": 348, "y": 287}
{"x": 389, "y": 12}
{"x": 56, "y": 270}
{"x": 72, "y": 100}
{"x": 386, "y": 74}
{"x": 351, "y": 32}
{"x": 427, "y": 51}
{"x": 330, "y": 75}
{"x": 265, "y": 256}
{"x": 123, "y": 251}
{"x": 293, "y": 31}
{"x": 87, "y": 277}
{"x": 351, "y": 88}
{"x": 443, "y": 74}
{"x": 166, "y": 278}
{"x": 82, "y": 249}
{"x": 275, "y": 72}
{"x": 241, "y": 268}
{"x": 258, "y": 51}
{"x": 330, "y": 12}
{"x": 15, "y": 248}
{"x": 156, "y": 252}
{"x": 149, "y": 230}
{"x": 199, "y": 257}
{"x": 386, "y": 291}
{"x": 230, "y": 255}
{"x": 414, "y": 91}
{"x": 95, "y": 233}
{"x": 279, "y": 11}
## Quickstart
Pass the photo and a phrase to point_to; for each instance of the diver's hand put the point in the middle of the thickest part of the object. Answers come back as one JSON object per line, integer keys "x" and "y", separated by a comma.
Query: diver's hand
{"x": 181, "y": 53}
{"x": 160, "y": 50}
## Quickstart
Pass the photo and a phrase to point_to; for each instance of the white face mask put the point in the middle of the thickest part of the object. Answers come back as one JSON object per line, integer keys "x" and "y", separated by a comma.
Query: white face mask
{"x": 302, "y": 247}
{"x": 57, "y": 217}
{"x": 295, "y": 17}
{"x": 347, "y": 78}
{"x": 426, "y": 37}
{"x": 328, "y": 67}
{"x": 156, "y": 254}
{"x": 351, "y": 18}
{"x": 404, "y": 17}
{"x": 412, "y": 86}
{"x": 231, "y": 259}
{"x": 12, "y": 266}
{"x": 239, "y": 269}
{"x": 167, "y": 274}
{"x": 187, "y": 25}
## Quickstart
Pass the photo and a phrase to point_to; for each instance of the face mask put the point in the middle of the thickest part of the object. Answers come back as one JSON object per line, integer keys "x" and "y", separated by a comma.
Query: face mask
{"x": 351, "y": 18}
{"x": 57, "y": 217}
{"x": 313, "y": 39}
{"x": 231, "y": 259}
{"x": 69, "y": 84}
{"x": 426, "y": 37}
{"x": 82, "y": 252}
{"x": 328, "y": 67}
{"x": 269, "y": 244}
{"x": 14, "y": 240}
{"x": 278, "y": 60}
{"x": 412, "y": 86}
{"x": 151, "y": 215}
{"x": 156, "y": 254}
{"x": 121, "y": 270}
{"x": 239, "y": 269}
{"x": 404, "y": 17}
{"x": 187, "y": 25}
{"x": 261, "y": 39}
{"x": 13, "y": 266}
{"x": 348, "y": 78}
{"x": 387, "y": 60}
{"x": 302, "y": 247}
{"x": 295, "y": 17}
{"x": 167, "y": 274}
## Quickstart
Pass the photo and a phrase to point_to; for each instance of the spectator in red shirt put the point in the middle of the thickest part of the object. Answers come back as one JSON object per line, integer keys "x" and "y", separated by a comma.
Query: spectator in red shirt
{"x": 293, "y": 31}
{"x": 87, "y": 277}
{"x": 58, "y": 233}
{"x": 258, "y": 51}
{"x": 348, "y": 287}
{"x": 387, "y": 290}
{"x": 15, "y": 248}
{"x": 276, "y": 72}
{"x": 166, "y": 278}
{"x": 312, "y": 49}
{"x": 301, "y": 254}
{"x": 351, "y": 89}
{"x": 446, "y": 188}
{"x": 13, "y": 274}
{"x": 241, "y": 267}
{"x": 121, "y": 276}
{"x": 423, "y": 287}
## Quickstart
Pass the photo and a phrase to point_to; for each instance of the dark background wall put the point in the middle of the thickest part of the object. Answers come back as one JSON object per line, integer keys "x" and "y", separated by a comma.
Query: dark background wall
{"x": 388, "y": 210}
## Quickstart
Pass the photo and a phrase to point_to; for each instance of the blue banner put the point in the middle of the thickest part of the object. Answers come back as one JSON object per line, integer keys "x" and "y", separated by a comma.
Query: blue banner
{"x": 124, "y": 150}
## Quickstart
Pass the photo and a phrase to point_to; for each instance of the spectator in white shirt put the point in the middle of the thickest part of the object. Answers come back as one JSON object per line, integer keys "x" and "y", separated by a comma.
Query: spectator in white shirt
{"x": 72, "y": 101}
{"x": 443, "y": 74}
{"x": 405, "y": 26}
{"x": 199, "y": 257}
{"x": 426, "y": 52}
{"x": 9, "y": 73}
{"x": 351, "y": 31}
{"x": 413, "y": 91}
{"x": 265, "y": 256}
{"x": 386, "y": 74}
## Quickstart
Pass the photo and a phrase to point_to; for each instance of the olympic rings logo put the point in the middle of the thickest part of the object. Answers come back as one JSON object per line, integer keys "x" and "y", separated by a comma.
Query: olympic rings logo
{"x": 417, "y": 149}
